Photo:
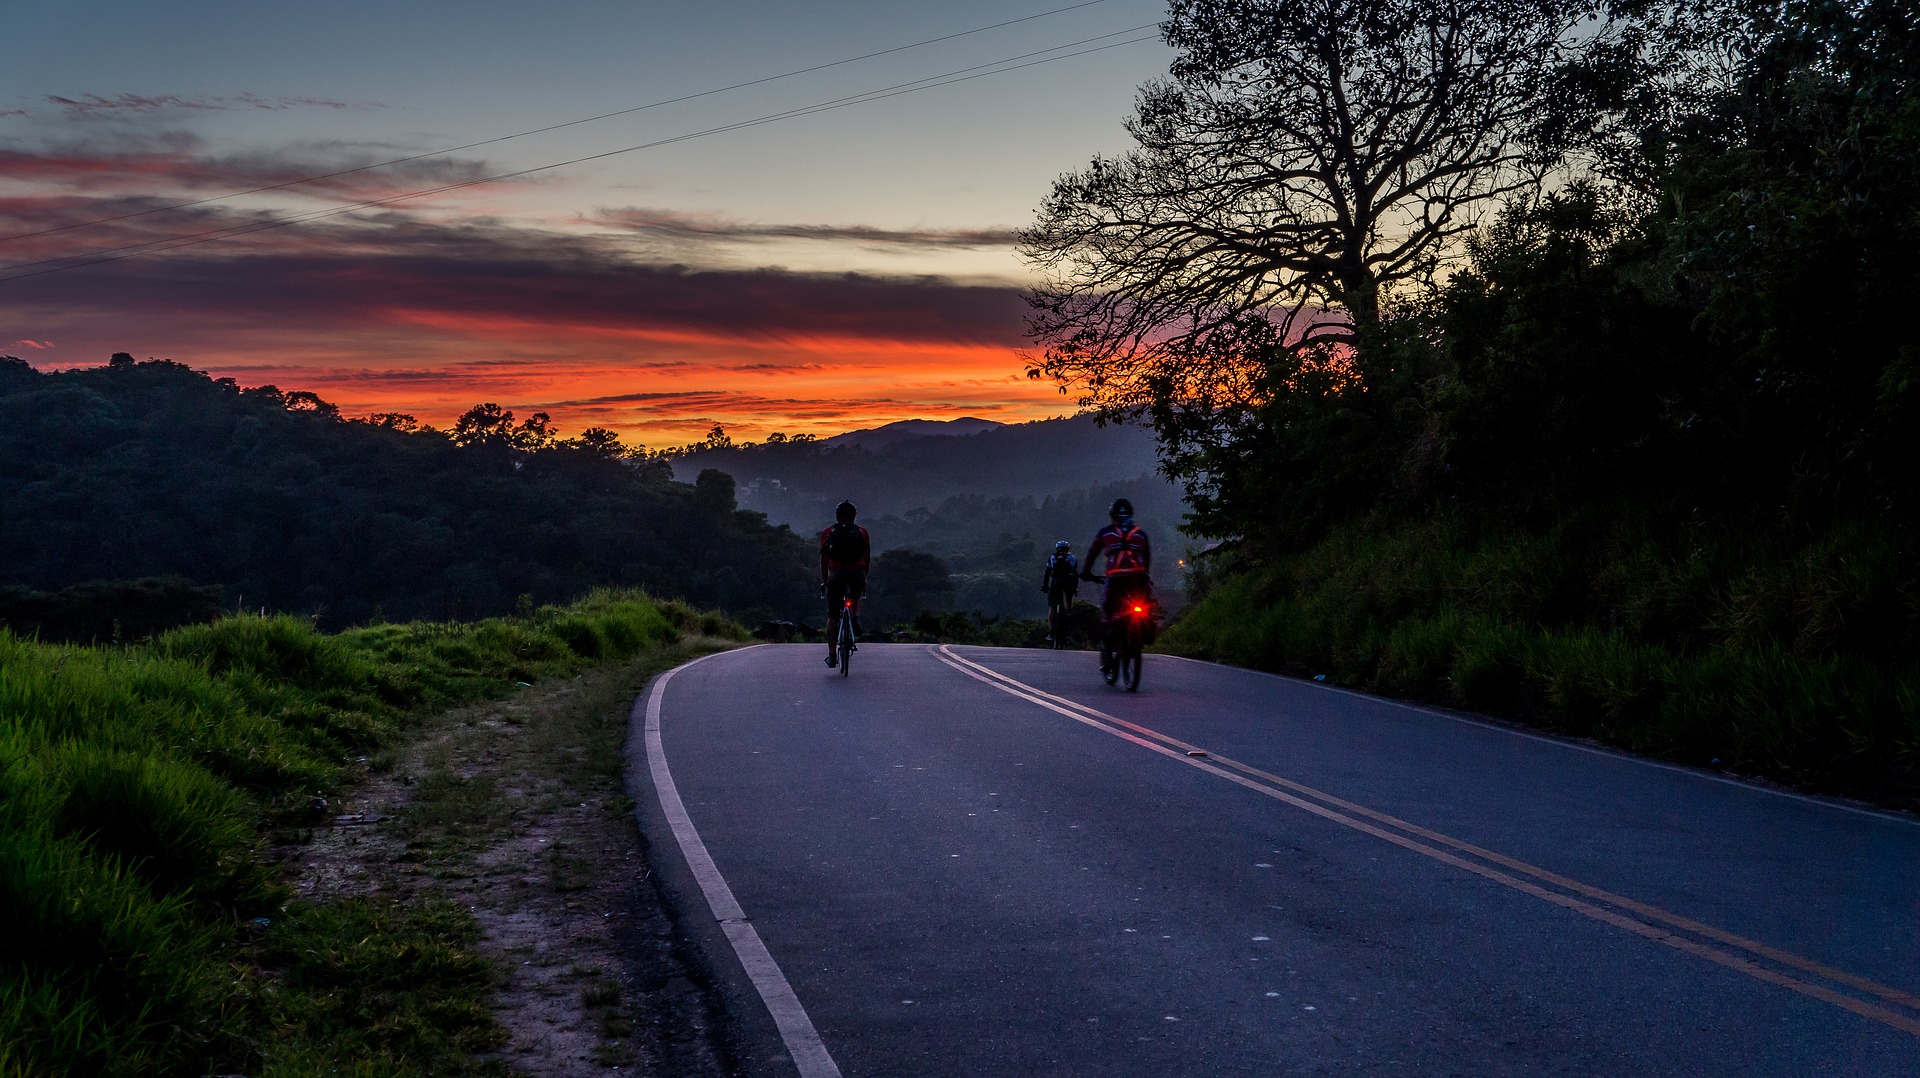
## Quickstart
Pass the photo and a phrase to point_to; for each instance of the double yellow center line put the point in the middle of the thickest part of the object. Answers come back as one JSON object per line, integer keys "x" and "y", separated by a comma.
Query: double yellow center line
{"x": 1869, "y": 999}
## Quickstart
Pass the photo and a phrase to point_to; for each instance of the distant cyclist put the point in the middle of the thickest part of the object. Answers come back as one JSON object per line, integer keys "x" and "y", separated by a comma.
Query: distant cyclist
{"x": 1123, "y": 547}
{"x": 845, "y": 554}
{"x": 1061, "y": 581}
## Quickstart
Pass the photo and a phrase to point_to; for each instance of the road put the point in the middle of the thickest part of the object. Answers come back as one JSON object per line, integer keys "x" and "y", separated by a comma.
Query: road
{"x": 977, "y": 861}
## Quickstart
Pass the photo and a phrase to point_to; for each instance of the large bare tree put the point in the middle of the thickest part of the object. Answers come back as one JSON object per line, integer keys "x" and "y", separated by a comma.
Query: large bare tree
{"x": 1305, "y": 161}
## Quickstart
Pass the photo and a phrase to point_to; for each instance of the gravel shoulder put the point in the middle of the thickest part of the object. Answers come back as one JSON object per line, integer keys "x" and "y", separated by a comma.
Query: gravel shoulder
{"x": 515, "y": 808}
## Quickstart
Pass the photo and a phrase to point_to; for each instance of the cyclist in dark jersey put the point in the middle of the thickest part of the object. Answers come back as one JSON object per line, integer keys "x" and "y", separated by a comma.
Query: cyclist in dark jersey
{"x": 845, "y": 555}
{"x": 1061, "y": 581}
{"x": 1123, "y": 548}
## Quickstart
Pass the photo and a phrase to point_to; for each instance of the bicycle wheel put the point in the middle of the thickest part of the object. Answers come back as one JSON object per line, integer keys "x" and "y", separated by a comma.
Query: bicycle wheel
{"x": 1129, "y": 658}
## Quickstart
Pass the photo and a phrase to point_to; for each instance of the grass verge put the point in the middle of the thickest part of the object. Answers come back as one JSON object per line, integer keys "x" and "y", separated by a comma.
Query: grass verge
{"x": 148, "y": 930}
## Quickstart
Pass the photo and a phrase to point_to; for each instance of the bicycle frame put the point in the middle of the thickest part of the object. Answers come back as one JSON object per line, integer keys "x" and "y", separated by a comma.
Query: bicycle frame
{"x": 845, "y": 639}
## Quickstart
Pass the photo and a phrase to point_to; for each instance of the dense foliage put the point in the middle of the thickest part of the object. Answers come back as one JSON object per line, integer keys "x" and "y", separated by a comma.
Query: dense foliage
{"x": 152, "y": 469}
{"x": 135, "y": 787}
{"x": 1646, "y": 463}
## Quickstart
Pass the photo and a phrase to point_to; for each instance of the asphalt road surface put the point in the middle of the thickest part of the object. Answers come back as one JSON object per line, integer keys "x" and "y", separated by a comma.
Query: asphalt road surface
{"x": 978, "y": 861}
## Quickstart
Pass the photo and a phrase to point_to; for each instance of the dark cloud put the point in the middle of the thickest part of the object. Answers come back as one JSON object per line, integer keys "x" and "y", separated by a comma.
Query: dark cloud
{"x": 395, "y": 268}
{"x": 670, "y": 225}
{"x": 144, "y": 169}
{"x": 90, "y": 104}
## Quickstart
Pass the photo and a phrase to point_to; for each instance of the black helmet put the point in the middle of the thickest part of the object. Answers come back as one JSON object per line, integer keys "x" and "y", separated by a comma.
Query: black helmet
{"x": 1063, "y": 546}
{"x": 1120, "y": 509}
{"x": 844, "y": 512}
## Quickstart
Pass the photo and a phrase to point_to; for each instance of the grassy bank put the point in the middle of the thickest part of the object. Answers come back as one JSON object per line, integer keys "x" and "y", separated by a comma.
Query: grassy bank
{"x": 1788, "y": 659}
{"x": 138, "y": 787}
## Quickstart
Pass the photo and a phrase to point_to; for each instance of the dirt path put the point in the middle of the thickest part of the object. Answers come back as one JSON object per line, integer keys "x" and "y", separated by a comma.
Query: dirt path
{"x": 514, "y": 808}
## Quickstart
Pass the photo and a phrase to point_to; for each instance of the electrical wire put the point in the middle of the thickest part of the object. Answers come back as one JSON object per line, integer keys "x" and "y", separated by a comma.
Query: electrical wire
{"x": 550, "y": 127}
{"x": 965, "y": 74}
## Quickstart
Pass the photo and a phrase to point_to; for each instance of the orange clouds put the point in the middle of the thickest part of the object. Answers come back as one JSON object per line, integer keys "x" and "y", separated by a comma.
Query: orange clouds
{"x": 396, "y": 312}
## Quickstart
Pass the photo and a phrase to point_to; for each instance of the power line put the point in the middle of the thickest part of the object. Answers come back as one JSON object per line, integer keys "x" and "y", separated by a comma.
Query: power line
{"x": 550, "y": 127}
{"x": 965, "y": 74}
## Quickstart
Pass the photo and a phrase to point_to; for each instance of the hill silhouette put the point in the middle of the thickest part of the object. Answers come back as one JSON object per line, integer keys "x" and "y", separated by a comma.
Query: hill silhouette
{"x": 137, "y": 470}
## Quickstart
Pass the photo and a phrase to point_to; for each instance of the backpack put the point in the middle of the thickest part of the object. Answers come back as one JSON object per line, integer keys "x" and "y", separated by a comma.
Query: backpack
{"x": 1063, "y": 573}
{"x": 1124, "y": 555}
{"x": 843, "y": 544}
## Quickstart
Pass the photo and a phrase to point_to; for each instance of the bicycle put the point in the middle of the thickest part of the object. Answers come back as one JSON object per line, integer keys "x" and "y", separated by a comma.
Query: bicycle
{"x": 846, "y": 635}
{"x": 1057, "y": 622}
{"x": 1123, "y": 665}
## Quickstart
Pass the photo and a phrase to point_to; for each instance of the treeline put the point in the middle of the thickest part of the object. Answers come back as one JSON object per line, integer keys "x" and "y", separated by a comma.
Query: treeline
{"x": 1642, "y": 463}
{"x": 137, "y": 470}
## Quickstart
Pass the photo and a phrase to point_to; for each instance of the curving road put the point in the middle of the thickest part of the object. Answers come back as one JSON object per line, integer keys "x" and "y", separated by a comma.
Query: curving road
{"x": 977, "y": 861}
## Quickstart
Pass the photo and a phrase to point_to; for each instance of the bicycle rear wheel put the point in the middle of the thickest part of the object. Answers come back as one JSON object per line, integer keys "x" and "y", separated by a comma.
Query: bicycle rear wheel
{"x": 1130, "y": 659}
{"x": 846, "y": 651}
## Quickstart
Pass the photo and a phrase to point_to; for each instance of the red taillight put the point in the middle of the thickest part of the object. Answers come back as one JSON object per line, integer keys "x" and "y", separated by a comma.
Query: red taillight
{"x": 1139, "y": 609}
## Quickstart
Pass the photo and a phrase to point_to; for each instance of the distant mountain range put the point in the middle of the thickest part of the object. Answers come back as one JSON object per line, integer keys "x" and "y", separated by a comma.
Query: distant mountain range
{"x": 905, "y": 429}
{"x": 988, "y": 498}
{"x": 918, "y": 464}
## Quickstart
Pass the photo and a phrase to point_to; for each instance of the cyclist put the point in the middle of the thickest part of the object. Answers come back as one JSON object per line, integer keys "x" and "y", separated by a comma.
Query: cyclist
{"x": 1128, "y": 556}
{"x": 1061, "y": 581}
{"x": 845, "y": 554}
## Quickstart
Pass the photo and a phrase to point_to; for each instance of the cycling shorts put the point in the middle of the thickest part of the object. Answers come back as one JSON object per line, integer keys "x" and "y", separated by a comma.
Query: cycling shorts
{"x": 843, "y": 584}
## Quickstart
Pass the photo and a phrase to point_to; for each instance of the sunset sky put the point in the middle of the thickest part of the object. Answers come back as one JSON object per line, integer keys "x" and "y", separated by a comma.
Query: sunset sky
{"x": 812, "y": 274}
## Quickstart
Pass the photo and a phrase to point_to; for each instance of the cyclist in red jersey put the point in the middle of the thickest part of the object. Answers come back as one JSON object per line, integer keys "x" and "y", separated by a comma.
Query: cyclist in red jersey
{"x": 1127, "y": 555}
{"x": 845, "y": 554}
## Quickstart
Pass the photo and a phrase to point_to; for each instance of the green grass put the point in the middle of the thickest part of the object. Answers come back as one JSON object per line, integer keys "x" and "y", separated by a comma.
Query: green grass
{"x": 1791, "y": 663}
{"x": 136, "y": 785}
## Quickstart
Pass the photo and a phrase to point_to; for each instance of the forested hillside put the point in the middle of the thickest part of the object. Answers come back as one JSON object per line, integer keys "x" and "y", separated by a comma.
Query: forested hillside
{"x": 1619, "y": 432}
{"x": 989, "y": 505}
{"x": 798, "y": 481}
{"x": 136, "y": 470}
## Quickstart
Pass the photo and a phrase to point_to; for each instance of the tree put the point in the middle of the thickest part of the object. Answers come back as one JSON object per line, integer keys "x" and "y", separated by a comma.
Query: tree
{"x": 400, "y": 421}
{"x": 713, "y": 491}
{"x": 600, "y": 441}
{"x": 1306, "y": 161}
{"x": 906, "y": 581}
{"x": 483, "y": 424}
{"x": 304, "y": 401}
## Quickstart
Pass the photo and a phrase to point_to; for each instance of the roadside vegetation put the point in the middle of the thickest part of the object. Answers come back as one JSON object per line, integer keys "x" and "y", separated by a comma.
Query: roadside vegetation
{"x": 143, "y": 790}
{"x": 1784, "y": 663}
{"x": 1578, "y": 394}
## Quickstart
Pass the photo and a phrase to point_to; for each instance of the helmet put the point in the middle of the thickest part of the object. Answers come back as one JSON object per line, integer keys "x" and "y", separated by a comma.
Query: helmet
{"x": 1063, "y": 546}
{"x": 844, "y": 512}
{"x": 1121, "y": 508}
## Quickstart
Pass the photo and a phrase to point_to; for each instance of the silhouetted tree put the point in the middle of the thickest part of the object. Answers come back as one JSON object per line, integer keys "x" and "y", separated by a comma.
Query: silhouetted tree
{"x": 1306, "y": 159}
{"x": 713, "y": 491}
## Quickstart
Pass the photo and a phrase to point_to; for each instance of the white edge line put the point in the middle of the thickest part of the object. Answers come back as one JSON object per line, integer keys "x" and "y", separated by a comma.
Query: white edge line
{"x": 1565, "y": 743}
{"x": 796, "y": 1029}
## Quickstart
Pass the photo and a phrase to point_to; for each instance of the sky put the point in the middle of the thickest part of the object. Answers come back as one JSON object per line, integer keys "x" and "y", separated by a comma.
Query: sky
{"x": 810, "y": 274}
